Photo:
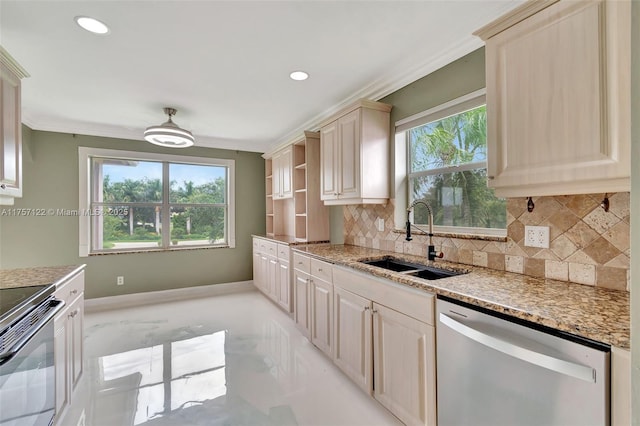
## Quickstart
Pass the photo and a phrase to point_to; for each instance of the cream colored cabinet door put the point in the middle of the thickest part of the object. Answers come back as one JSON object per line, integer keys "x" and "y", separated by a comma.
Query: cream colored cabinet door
{"x": 282, "y": 174}
{"x": 558, "y": 101}
{"x": 404, "y": 366}
{"x": 329, "y": 161}
{"x": 349, "y": 155}
{"x": 272, "y": 278}
{"x": 301, "y": 282}
{"x": 62, "y": 362}
{"x": 10, "y": 136}
{"x": 257, "y": 275}
{"x": 321, "y": 314}
{"x": 284, "y": 285}
{"x": 264, "y": 273}
{"x": 76, "y": 323}
{"x": 352, "y": 337}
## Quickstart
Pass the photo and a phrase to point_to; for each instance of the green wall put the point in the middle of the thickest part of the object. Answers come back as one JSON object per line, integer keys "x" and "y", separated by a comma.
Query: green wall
{"x": 50, "y": 180}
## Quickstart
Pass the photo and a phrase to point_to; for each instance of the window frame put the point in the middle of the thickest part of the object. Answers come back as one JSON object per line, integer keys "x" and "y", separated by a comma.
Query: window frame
{"x": 85, "y": 155}
{"x": 403, "y": 175}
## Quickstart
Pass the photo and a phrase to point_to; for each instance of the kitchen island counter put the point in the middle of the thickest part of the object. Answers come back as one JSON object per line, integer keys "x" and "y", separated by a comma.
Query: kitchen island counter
{"x": 595, "y": 313}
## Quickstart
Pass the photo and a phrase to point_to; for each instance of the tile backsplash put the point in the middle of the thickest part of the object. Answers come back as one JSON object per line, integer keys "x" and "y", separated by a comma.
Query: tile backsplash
{"x": 586, "y": 244}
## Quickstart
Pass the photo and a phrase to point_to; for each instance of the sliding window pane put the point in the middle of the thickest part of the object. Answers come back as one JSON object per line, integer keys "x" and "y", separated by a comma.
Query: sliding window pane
{"x": 126, "y": 227}
{"x": 128, "y": 181}
{"x": 197, "y": 225}
{"x": 195, "y": 184}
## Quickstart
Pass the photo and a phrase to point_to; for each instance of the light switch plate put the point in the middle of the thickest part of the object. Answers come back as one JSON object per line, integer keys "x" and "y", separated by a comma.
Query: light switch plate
{"x": 536, "y": 236}
{"x": 380, "y": 224}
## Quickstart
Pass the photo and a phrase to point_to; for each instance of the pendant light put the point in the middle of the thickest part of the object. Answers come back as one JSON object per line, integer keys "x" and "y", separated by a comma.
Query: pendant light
{"x": 169, "y": 134}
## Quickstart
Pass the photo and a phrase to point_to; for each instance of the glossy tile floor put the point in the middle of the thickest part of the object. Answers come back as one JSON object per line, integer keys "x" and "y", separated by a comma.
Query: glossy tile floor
{"x": 227, "y": 360}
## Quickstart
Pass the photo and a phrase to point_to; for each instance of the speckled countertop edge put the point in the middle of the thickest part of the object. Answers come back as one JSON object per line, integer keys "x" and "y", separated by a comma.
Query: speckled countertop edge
{"x": 41, "y": 275}
{"x": 596, "y": 313}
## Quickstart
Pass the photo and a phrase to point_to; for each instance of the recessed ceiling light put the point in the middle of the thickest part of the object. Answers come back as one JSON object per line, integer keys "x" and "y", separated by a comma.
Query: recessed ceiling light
{"x": 299, "y": 75}
{"x": 92, "y": 25}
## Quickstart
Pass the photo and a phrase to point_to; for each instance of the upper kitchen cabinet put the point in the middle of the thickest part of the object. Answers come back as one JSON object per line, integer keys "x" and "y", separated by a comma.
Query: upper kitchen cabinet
{"x": 558, "y": 98}
{"x": 10, "y": 129}
{"x": 354, "y": 155}
{"x": 282, "y": 174}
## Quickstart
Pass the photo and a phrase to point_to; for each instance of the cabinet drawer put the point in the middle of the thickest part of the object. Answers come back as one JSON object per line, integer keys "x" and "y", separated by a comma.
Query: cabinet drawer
{"x": 256, "y": 244}
{"x": 301, "y": 262}
{"x": 269, "y": 248}
{"x": 70, "y": 289}
{"x": 322, "y": 270}
{"x": 407, "y": 300}
{"x": 283, "y": 252}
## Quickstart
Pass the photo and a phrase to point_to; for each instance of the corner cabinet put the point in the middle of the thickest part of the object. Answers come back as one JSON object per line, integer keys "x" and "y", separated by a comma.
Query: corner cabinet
{"x": 558, "y": 98}
{"x": 271, "y": 271}
{"x": 68, "y": 342}
{"x": 354, "y": 155}
{"x": 10, "y": 128}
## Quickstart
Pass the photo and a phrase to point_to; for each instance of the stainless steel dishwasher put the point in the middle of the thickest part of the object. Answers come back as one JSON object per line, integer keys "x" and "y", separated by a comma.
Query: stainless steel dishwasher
{"x": 496, "y": 370}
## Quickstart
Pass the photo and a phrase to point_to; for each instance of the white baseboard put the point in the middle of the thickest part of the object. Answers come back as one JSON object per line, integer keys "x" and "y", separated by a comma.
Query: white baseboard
{"x": 161, "y": 296}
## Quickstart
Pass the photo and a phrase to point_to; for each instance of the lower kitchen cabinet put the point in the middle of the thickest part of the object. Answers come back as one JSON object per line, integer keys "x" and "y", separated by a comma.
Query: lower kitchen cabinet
{"x": 321, "y": 313}
{"x": 301, "y": 283}
{"x": 271, "y": 272}
{"x": 403, "y": 365}
{"x": 397, "y": 338}
{"x": 68, "y": 342}
{"x": 352, "y": 336}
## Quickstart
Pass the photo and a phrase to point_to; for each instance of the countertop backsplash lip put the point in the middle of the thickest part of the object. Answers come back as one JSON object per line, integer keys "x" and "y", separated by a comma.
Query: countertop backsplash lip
{"x": 599, "y": 314}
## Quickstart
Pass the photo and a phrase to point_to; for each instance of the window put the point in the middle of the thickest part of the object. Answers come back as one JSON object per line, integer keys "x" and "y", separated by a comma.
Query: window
{"x": 143, "y": 201}
{"x": 447, "y": 167}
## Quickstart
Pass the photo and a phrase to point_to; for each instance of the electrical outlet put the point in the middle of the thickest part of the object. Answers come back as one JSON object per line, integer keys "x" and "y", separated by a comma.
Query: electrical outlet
{"x": 536, "y": 236}
{"x": 120, "y": 280}
{"x": 380, "y": 224}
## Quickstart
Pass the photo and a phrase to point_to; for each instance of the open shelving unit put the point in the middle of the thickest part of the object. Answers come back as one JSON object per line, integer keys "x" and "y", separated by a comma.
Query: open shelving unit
{"x": 304, "y": 216}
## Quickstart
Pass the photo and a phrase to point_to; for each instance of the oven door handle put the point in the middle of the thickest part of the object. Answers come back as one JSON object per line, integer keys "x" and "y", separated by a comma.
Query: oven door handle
{"x": 10, "y": 353}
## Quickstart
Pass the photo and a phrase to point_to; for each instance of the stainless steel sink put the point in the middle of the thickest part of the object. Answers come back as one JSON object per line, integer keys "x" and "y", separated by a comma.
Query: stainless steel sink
{"x": 413, "y": 269}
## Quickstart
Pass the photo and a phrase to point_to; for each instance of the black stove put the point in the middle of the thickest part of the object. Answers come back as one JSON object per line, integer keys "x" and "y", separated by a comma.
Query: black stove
{"x": 17, "y": 301}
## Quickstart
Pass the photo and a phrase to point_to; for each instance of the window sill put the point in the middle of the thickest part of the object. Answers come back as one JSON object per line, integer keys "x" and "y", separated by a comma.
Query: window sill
{"x": 159, "y": 250}
{"x": 478, "y": 237}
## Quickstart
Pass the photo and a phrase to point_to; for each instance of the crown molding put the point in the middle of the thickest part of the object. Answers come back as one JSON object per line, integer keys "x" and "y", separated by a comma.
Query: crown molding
{"x": 8, "y": 61}
{"x": 509, "y": 19}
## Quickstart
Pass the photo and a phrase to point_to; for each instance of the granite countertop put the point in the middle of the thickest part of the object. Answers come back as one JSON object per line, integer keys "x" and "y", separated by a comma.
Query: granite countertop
{"x": 287, "y": 239}
{"x": 43, "y": 275}
{"x": 596, "y": 313}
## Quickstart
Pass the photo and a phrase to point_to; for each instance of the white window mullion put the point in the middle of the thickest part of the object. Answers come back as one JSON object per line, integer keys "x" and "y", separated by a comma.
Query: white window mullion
{"x": 165, "y": 214}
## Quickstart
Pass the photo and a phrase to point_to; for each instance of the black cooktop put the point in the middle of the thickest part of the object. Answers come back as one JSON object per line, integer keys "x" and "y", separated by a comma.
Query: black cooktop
{"x": 15, "y": 302}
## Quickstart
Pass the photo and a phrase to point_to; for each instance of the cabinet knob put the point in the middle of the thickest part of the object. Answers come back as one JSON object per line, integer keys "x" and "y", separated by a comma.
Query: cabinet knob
{"x": 319, "y": 269}
{"x": 299, "y": 263}
{"x": 491, "y": 177}
{"x": 3, "y": 186}
{"x": 74, "y": 292}
{"x": 366, "y": 308}
{"x": 374, "y": 311}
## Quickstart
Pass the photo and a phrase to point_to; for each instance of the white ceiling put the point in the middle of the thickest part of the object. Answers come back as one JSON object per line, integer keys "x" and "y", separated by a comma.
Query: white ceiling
{"x": 225, "y": 64}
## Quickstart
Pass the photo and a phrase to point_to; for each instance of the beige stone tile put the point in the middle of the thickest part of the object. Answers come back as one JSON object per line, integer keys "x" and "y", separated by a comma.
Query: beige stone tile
{"x": 494, "y": 247}
{"x": 399, "y": 246}
{"x": 581, "y": 257}
{"x": 496, "y": 261}
{"x": 602, "y": 251}
{"x": 619, "y": 236}
{"x": 514, "y": 249}
{"x": 546, "y": 254}
{"x": 514, "y": 264}
{"x": 450, "y": 254}
{"x": 516, "y": 206}
{"x": 581, "y": 205}
{"x": 515, "y": 231}
{"x": 581, "y": 234}
{"x": 534, "y": 267}
{"x": 480, "y": 258}
{"x": 621, "y": 261}
{"x": 563, "y": 247}
{"x": 465, "y": 256}
{"x": 531, "y": 251}
{"x": 582, "y": 274}
{"x": 545, "y": 207}
{"x": 562, "y": 220}
{"x": 415, "y": 249}
{"x": 615, "y": 278}
{"x": 619, "y": 204}
{"x": 376, "y": 244}
{"x": 600, "y": 220}
{"x": 556, "y": 270}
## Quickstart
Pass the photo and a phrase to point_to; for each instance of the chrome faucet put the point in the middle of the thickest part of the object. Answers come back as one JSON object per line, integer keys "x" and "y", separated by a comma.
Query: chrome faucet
{"x": 431, "y": 251}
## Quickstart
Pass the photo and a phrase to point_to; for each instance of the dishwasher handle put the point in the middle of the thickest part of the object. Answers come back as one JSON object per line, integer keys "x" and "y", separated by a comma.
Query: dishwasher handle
{"x": 567, "y": 368}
